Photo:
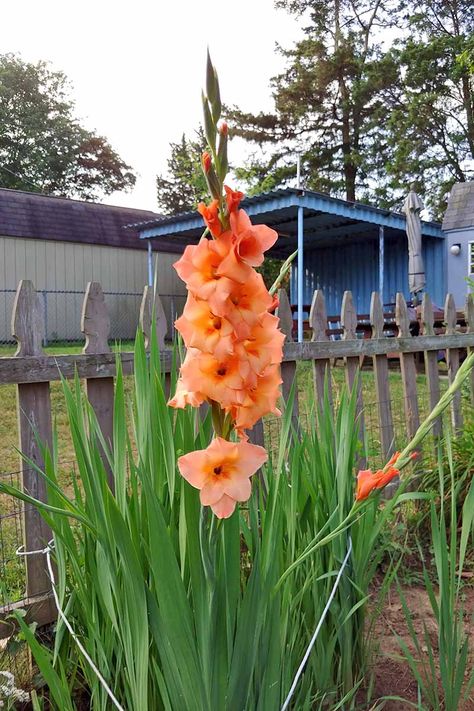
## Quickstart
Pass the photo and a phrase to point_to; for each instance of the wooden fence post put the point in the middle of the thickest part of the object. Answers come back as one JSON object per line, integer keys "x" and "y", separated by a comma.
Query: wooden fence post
{"x": 382, "y": 385}
{"x": 95, "y": 325}
{"x": 34, "y": 420}
{"x": 431, "y": 363}
{"x": 352, "y": 363}
{"x": 288, "y": 368}
{"x": 469, "y": 312}
{"x": 152, "y": 302}
{"x": 452, "y": 360}
{"x": 321, "y": 367}
{"x": 408, "y": 369}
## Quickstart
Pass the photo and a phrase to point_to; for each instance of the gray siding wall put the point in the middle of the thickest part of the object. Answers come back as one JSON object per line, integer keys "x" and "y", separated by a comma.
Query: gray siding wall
{"x": 62, "y": 266}
{"x": 458, "y": 266}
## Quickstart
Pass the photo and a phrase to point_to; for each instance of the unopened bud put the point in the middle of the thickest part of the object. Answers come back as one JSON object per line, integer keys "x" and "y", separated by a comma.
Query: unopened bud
{"x": 206, "y": 162}
{"x": 223, "y": 128}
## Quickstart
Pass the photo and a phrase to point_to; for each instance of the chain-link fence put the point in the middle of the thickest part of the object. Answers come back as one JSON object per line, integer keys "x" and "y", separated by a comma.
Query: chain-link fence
{"x": 62, "y": 314}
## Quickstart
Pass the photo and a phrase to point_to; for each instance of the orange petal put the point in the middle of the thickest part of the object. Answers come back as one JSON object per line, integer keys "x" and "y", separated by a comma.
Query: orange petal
{"x": 365, "y": 484}
{"x": 224, "y": 508}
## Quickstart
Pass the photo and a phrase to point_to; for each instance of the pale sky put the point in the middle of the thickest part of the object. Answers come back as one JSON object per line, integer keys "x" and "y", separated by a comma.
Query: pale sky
{"x": 137, "y": 68}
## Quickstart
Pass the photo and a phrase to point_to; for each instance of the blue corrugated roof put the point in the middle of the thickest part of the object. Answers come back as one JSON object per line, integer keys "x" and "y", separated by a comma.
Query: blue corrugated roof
{"x": 325, "y": 217}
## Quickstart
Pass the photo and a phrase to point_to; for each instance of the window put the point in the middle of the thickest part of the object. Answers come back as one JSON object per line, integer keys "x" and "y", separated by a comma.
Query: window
{"x": 471, "y": 258}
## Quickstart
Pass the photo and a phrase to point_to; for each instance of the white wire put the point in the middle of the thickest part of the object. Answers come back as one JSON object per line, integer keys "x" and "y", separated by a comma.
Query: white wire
{"x": 316, "y": 631}
{"x": 47, "y": 551}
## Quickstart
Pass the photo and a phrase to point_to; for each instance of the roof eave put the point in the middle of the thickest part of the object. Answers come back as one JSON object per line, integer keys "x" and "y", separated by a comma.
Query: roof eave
{"x": 311, "y": 201}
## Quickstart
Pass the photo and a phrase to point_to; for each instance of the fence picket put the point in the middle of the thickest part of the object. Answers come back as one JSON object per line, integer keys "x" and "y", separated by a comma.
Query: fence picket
{"x": 288, "y": 368}
{"x": 152, "y": 302}
{"x": 452, "y": 360}
{"x": 431, "y": 361}
{"x": 352, "y": 363}
{"x": 95, "y": 325}
{"x": 34, "y": 418}
{"x": 408, "y": 368}
{"x": 318, "y": 321}
{"x": 382, "y": 387}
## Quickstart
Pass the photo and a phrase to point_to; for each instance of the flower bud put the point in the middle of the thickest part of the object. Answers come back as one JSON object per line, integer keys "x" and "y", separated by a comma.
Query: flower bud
{"x": 206, "y": 162}
{"x": 223, "y": 128}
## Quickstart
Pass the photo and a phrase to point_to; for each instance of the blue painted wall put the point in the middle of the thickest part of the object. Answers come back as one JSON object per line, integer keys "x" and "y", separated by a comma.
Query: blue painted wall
{"x": 355, "y": 266}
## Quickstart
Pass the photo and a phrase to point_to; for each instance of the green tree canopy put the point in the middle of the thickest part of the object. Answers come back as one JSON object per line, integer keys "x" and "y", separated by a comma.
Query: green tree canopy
{"x": 43, "y": 147}
{"x": 325, "y": 100}
{"x": 431, "y": 126}
{"x": 184, "y": 185}
{"x": 367, "y": 118}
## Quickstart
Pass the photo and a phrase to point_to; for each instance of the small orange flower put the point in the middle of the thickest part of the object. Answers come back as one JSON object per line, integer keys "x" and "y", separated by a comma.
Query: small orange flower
{"x": 246, "y": 303}
{"x": 221, "y": 380}
{"x": 222, "y": 473}
{"x": 259, "y": 400}
{"x": 198, "y": 269}
{"x": 233, "y": 198}
{"x": 183, "y": 397}
{"x": 264, "y": 346}
{"x": 251, "y": 240}
{"x": 210, "y": 215}
{"x": 365, "y": 484}
{"x": 202, "y": 329}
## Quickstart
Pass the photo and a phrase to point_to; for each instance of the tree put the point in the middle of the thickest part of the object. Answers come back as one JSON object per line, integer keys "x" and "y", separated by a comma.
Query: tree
{"x": 325, "y": 101}
{"x": 431, "y": 126}
{"x": 43, "y": 147}
{"x": 184, "y": 184}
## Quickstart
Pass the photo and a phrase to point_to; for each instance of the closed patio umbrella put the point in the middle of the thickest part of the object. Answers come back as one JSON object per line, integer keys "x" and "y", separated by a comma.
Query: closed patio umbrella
{"x": 416, "y": 269}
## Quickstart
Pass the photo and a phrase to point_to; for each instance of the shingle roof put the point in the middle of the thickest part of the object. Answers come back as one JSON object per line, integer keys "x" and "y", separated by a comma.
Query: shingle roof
{"x": 38, "y": 216}
{"x": 460, "y": 210}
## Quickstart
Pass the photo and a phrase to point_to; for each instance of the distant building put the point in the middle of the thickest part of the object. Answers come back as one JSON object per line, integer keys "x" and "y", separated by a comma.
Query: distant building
{"x": 61, "y": 244}
{"x": 458, "y": 227}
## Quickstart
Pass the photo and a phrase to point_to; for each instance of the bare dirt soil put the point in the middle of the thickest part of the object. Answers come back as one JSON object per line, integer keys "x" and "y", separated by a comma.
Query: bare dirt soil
{"x": 392, "y": 675}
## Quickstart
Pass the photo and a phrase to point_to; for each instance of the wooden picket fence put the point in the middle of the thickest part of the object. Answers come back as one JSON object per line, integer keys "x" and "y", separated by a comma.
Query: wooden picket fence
{"x": 32, "y": 371}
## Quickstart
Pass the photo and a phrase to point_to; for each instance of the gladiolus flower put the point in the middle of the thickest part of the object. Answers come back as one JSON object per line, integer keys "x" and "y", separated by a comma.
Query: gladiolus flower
{"x": 210, "y": 215}
{"x": 198, "y": 269}
{"x": 264, "y": 346}
{"x": 259, "y": 400}
{"x": 202, "y": 329}
{"x": 222, "y": 473}
{"x": 206, "y": 162}
{"x": 246, "y": 304}
{"x": 183, "y": 397}
{"x": 367, "y": 481}
{"x": 221, "y": 380}
{"x": 233, "y": 198}
{"x": 251, "y": 240}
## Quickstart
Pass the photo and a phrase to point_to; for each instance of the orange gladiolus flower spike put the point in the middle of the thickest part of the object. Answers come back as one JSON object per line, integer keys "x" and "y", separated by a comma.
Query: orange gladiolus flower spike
{"x": 222, "y": 473}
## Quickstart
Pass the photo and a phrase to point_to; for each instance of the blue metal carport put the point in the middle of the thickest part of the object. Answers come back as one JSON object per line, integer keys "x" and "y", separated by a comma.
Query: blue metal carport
{"x": 341, "y": 245}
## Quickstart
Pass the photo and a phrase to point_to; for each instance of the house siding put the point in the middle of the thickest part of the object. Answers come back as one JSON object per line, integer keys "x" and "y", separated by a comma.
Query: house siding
{"x": 65, "y": 266}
